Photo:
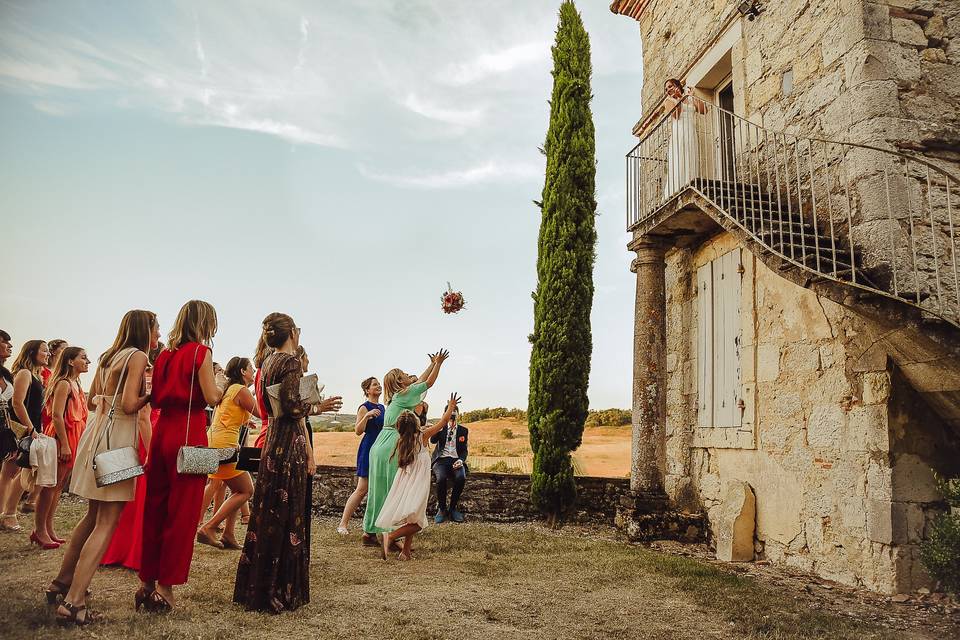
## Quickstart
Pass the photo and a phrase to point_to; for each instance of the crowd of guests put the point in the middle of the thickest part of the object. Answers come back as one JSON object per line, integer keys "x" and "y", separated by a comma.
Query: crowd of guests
{"x": 120, "y": 446}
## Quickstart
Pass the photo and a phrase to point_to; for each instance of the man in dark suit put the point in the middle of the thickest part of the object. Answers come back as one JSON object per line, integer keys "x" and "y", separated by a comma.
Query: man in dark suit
{"x": 450, "y": 464}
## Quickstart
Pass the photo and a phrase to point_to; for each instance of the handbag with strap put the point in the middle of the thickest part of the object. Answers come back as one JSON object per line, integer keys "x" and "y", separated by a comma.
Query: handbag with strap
{"x": 200, "y": 460}
{"x": 123, "y": 463}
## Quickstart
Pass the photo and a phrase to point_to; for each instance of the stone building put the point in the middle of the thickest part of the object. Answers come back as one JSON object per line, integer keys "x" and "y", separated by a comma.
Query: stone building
{"x": 798, "y": 307}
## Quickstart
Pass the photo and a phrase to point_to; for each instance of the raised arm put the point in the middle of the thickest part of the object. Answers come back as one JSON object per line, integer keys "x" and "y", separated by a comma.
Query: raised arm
{"x": 435, "y": 428}
{"x": 438, "y": 361}
{"x": 363, "y": 417}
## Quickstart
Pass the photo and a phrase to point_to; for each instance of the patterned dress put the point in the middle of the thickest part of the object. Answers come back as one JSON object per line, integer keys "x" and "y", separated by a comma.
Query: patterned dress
{"x": 273, "y": 574}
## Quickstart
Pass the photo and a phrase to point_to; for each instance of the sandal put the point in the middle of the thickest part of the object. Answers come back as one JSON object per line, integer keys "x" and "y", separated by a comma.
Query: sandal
{"x": 244, "y": 519}
{"x": 142, "y": 599}
{"x": 204, "y": 538}
{"x": 158, "y": 604}
{"x": 230, "y": 543}
{"x": 73, "y": 611}
{"x": 57, "y": 591}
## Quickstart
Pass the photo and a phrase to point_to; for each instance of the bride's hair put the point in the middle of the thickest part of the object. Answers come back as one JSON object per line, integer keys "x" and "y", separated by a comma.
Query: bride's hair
{"x": 408, "y": 427}
{"x": 393, "y": 383}
{"x": 670, "y": 81}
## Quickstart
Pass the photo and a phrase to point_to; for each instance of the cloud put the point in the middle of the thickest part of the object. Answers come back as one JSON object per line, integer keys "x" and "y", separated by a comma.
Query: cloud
{"x": 490, "y": 171}
{"x": 304, "y": 39}
{"x": 460, "y": 117}
{"x": 499, "y": 62}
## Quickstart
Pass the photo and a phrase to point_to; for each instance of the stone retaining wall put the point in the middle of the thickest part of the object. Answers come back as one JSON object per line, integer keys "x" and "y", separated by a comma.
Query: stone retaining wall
{"x": 495, "y": 497}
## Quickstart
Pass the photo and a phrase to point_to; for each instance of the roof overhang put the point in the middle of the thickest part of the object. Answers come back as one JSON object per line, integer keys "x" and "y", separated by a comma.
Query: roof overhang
{"x": 629, "y": 8}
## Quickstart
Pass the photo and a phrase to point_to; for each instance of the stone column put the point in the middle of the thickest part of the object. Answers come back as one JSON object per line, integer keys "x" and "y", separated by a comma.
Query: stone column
{"x": 648, "y": 452}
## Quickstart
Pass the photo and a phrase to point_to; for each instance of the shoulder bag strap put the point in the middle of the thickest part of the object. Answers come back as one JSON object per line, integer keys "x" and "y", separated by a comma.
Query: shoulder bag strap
{"x": 193, "y": 372}
{"x": 113, "y": 404}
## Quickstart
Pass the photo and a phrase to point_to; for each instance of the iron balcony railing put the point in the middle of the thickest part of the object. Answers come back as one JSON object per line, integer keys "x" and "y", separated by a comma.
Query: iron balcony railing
{"x": 872, "y": 218}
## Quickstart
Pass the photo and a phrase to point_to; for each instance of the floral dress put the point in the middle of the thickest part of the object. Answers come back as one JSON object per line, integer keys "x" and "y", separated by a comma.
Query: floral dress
{"x": 273, "y": 574}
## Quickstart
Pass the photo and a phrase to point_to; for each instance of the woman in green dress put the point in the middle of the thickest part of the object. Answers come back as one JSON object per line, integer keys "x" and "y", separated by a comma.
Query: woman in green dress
{"x": 401, "y": 391}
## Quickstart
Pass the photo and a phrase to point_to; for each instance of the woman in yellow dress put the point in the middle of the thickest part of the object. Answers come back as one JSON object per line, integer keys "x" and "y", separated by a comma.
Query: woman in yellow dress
{"x": 229, "y": 420}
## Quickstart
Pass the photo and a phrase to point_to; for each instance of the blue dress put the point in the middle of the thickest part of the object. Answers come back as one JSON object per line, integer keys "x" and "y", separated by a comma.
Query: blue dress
{"x": 374, "y": 426}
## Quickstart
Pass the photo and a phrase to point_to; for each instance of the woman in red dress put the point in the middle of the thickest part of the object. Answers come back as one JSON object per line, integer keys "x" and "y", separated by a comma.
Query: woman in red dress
{"x": 172, "y": 503}
{"x": 127, "y": 542}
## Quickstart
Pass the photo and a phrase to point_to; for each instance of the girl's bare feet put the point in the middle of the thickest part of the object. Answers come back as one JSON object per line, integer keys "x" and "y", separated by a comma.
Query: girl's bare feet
{"x": 386, "y": 546}
{"x": 404, "y": 556}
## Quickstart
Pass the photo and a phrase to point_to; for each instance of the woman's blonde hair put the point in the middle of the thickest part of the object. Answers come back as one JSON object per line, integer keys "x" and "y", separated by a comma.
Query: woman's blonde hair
{"x": 408, "y": 428}
{"x": 196, "y": 322}
{"x": 134, "y": 331}
{"x": 61, "y": 370}
{"x": 393, "y": 383}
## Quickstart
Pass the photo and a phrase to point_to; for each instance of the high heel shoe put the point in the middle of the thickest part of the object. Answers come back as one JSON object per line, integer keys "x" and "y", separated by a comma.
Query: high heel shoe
{"x": 142, "y": 598}
{"x": 89, "y": 617}
{"x": 58, "y": 540}
{"x": 56, "y": 591}
{"x": 35, "y": 539}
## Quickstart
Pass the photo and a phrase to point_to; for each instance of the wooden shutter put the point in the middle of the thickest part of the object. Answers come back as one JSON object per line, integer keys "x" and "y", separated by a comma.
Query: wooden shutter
{"x": 705, "y": 345}
{"x": 726, "y": 339}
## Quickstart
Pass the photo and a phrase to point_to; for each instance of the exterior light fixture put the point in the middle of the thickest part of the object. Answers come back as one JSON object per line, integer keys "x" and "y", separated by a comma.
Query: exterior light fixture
{"x": 750, "y": 9}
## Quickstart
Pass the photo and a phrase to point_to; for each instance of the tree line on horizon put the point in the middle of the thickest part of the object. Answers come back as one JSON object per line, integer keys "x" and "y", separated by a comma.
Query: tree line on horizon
{"x": 595, "y": 418}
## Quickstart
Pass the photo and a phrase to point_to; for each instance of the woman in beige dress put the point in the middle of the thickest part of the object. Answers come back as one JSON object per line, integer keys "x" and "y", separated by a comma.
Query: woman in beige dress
{"x": 118, "y": 384}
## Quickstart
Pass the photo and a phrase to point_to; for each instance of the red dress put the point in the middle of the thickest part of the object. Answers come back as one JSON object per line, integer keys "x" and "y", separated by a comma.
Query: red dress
{"x": 172, "y": 504}
{"x": 261, "y": 405}
{"x": 127, "y": 542}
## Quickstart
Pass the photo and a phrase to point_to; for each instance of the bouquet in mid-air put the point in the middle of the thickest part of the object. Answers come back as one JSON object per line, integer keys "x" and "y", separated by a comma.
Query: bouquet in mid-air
{"x": 452, "y": 301}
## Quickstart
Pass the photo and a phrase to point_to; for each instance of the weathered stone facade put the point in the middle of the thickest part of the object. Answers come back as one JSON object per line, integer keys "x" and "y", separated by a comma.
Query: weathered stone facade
{"x": 836, "y": 446}
{"x": 845, "y": 409}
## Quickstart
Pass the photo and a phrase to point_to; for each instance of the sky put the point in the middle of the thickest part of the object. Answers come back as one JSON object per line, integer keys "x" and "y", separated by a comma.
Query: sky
{"x": 337, "y": 161}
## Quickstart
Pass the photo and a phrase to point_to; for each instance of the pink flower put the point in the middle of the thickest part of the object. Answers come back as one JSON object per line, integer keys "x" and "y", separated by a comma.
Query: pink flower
{"x": 294, "y": 539}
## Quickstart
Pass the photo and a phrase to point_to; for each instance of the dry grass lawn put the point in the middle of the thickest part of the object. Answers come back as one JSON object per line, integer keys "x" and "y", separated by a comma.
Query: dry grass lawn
{"x": 487, "y": 581}
{"x": 605, "y": 450}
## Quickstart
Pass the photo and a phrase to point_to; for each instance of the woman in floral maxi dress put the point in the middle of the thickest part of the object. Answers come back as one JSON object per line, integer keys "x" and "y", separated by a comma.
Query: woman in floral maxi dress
{"x": 274, "y": 570}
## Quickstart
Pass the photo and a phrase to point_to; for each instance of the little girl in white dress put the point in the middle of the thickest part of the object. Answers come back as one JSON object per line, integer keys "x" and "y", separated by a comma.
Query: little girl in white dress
{"x": 405, "y": 507}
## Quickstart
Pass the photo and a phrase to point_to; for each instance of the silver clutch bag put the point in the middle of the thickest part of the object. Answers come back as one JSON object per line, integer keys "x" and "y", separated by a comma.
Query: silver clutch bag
{"x": 116, "y": 465}
{"x": 200, "y": 461}
{"x": 203, "y": 460}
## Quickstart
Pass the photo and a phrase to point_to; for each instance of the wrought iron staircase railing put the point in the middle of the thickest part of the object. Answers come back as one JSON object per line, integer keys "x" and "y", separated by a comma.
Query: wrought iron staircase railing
{"x": 871, "y": 218}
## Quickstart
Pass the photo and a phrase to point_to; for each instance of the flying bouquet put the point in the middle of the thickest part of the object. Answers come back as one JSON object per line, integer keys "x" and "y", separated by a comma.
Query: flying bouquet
{"x": 452, "y": 301}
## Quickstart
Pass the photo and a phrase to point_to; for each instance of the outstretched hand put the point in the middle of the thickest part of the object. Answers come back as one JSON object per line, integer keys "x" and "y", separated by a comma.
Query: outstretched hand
{"x": 454, "y": 402}
{"x": 438, "y": 357}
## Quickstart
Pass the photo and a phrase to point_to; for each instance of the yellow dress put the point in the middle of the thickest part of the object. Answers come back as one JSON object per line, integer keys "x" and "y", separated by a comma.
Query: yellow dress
{"x": 225, "y": 430}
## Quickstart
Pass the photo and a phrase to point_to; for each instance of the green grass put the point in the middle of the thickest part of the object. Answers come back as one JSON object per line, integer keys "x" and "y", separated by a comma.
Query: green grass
{"x": 492, "y": 581}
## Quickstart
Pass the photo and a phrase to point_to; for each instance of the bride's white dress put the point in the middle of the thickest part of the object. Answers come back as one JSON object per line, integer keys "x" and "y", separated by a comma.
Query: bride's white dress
{"x": 683, "y": 157}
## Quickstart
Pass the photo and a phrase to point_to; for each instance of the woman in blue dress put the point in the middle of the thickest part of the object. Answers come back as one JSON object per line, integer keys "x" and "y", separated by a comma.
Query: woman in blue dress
{"x": 369, "y": 424}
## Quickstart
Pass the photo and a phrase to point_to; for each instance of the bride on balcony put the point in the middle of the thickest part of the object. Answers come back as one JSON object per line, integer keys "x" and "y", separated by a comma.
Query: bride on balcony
{"x": 683, "y": 157}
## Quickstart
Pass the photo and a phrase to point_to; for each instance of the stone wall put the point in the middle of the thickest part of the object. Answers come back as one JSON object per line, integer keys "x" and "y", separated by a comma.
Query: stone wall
{"x": 836, "y": 446}
{"x": 495, "y": 497}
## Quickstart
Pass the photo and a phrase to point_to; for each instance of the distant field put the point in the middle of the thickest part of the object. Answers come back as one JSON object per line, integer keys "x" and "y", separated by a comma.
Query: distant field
{"x": 605, "y": 450}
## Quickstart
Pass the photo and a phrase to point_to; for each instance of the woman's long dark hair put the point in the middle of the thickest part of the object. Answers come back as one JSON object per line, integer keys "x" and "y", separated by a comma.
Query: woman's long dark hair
{"x": 408, "y": 426}
{"x": 4, "y": 372}
{"x": 234, "y": 373}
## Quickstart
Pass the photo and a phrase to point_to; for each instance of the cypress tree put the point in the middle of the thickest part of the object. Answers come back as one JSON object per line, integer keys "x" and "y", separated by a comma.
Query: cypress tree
{"x": 561, "y": 339}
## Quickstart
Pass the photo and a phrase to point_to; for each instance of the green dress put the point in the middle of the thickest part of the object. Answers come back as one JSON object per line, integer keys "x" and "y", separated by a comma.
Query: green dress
{"x": 383, "y": 464}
